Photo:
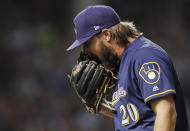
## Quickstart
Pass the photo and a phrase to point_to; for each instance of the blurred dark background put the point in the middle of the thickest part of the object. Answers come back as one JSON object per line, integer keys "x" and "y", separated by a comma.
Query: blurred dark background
{"x": 34, "y": 91}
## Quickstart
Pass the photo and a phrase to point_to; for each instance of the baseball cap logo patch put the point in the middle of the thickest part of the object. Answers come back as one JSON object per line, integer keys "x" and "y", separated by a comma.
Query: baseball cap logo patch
{"x": 96, "y": 27}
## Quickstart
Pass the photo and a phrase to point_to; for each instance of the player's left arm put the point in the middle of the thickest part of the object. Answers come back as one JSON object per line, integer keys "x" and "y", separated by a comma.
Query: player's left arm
{"x": 164, "y": 108}
{"x": 106, "y": 111}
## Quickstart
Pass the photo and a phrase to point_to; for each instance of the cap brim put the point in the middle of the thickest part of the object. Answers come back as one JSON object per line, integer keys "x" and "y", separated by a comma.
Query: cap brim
{"x": 77, "y": 43}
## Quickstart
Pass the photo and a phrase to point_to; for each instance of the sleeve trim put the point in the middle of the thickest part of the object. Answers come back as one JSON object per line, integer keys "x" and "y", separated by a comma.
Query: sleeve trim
{"x": 158, "y": 94}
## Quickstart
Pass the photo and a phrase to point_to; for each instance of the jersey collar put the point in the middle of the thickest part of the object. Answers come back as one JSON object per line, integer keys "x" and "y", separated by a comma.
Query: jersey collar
{"x": 133, "y": 46}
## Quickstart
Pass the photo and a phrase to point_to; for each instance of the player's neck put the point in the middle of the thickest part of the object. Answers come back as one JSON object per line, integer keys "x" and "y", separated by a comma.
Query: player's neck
{"x": 120, "y": 49}
{"x": 130, "y": 39}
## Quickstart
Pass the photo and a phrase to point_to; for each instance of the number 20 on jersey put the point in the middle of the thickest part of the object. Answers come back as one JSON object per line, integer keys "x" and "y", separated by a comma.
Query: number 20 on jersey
{"x": 133, "y": 113}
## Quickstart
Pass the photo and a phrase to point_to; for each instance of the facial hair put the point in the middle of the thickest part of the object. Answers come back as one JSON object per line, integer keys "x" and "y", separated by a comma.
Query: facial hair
{"x": 109, "y": 59}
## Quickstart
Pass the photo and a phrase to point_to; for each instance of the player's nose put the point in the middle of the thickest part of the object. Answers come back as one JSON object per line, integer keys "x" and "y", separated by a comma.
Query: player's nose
{"x": 85, "y": 50}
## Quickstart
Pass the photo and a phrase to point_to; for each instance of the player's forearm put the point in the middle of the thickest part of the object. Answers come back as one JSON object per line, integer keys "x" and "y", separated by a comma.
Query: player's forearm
{"x": 106, "y": 111}
{"x": 165, "y": 111}
{"x": 165, "y": 120}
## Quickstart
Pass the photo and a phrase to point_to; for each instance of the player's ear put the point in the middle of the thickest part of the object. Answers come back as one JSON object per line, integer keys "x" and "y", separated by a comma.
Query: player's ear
{"x": 106, "y": 35}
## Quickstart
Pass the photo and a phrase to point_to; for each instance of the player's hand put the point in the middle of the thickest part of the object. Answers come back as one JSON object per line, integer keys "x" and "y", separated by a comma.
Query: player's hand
{"x": 91, "y": 80}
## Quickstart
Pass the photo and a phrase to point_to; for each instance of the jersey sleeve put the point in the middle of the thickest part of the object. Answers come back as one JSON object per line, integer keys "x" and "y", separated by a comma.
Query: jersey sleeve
{"x": 155, "y": 77}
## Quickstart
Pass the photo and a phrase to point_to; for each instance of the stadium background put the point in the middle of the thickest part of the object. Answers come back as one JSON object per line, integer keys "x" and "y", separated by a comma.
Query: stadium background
{"x": 34, "y": 34}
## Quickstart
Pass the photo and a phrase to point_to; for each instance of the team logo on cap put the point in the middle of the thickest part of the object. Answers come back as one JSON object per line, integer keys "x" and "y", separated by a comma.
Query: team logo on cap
{"x": 150, "y": 72}
{"x": 96, "y": 27}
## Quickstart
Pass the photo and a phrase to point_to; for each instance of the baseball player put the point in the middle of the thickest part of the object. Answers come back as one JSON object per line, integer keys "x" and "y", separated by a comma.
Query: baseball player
{"x": 147, "y": 94}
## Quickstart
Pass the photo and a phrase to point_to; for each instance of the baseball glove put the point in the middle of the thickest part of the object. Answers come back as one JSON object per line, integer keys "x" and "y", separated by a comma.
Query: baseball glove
{"x": 92, "y": 81}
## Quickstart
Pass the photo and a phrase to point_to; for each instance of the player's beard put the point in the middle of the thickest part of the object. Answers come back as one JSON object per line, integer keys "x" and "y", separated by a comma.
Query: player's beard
{"x": 109, "y": 59}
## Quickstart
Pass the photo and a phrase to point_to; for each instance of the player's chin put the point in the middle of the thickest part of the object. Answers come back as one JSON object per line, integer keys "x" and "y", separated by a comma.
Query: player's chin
{"x": 112, "y": 65}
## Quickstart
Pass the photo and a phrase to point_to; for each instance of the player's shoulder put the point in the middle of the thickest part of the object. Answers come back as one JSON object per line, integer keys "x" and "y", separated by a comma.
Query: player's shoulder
{"x": 142, "y": 50}
{"x": 149, "y": 49}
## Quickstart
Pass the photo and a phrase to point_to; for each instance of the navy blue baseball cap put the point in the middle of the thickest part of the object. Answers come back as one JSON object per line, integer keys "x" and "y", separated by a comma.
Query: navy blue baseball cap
{"x": 92, "y": 20}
